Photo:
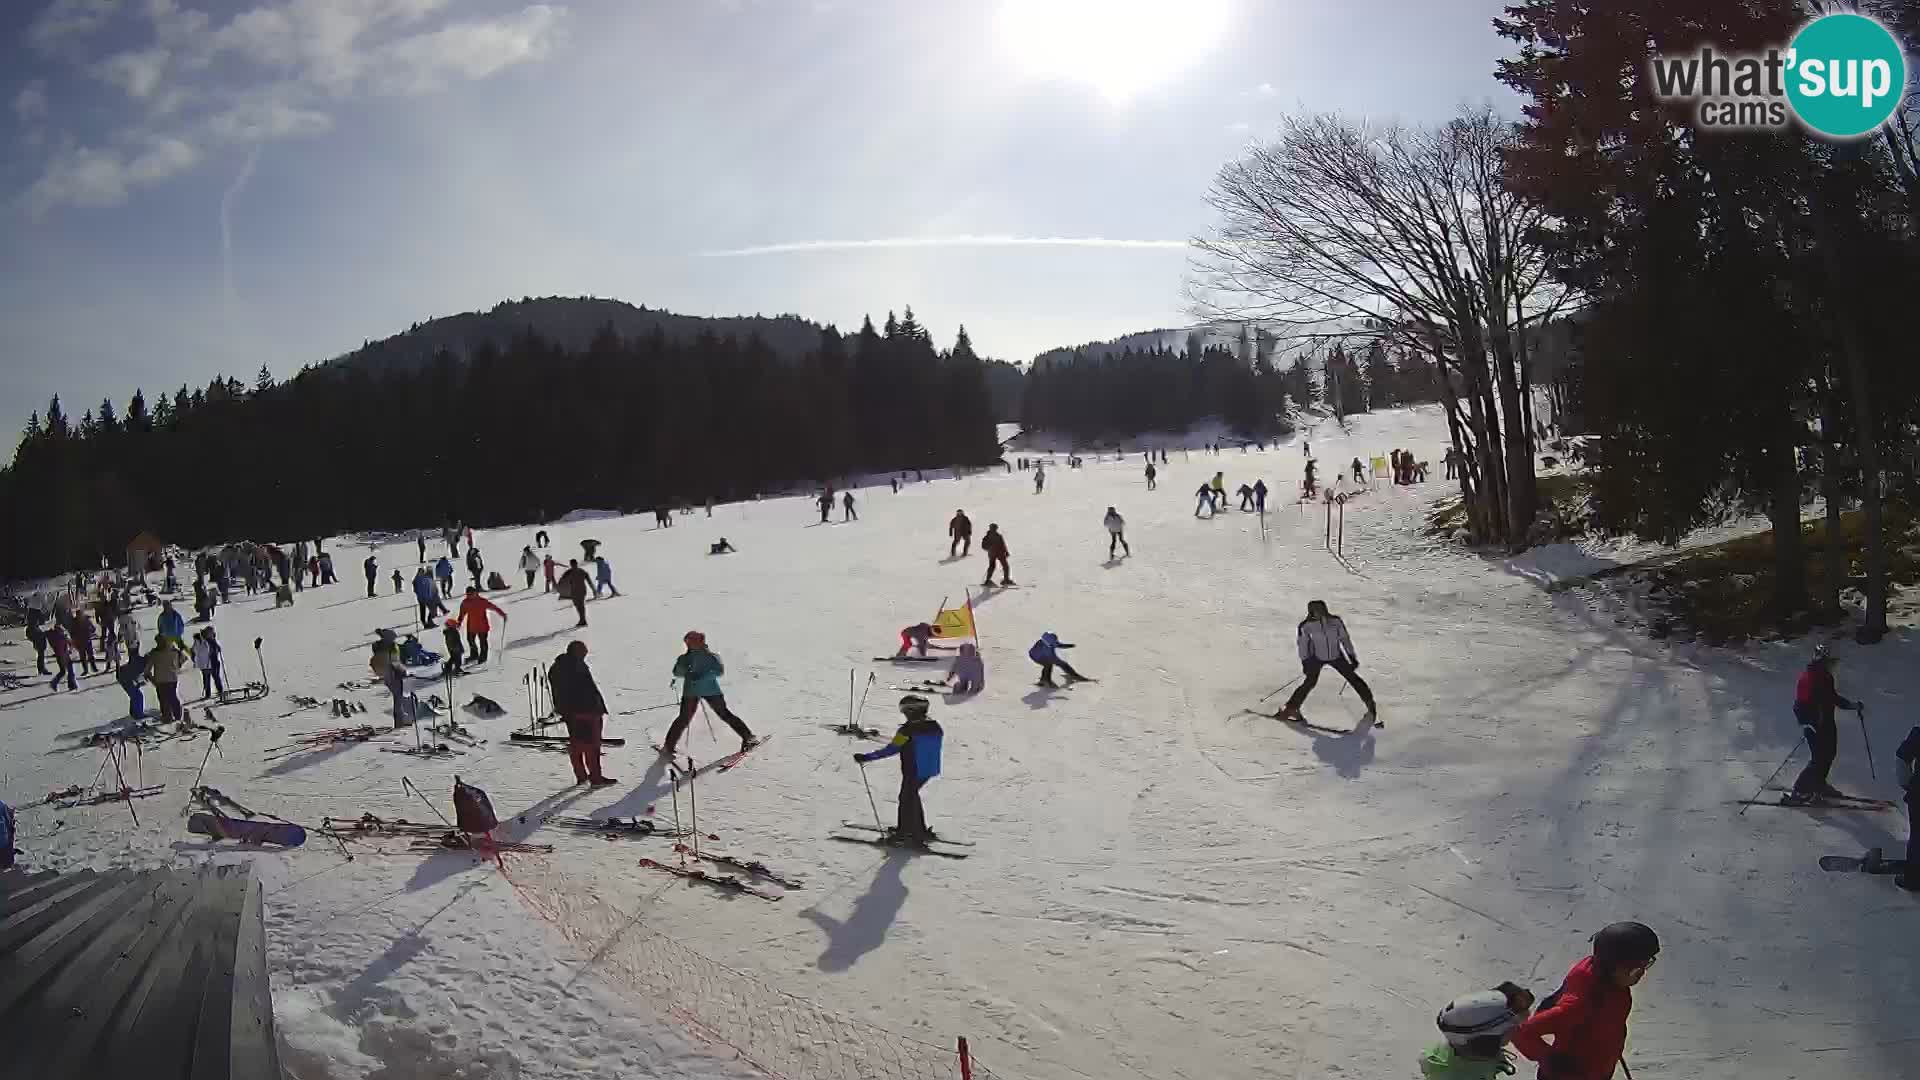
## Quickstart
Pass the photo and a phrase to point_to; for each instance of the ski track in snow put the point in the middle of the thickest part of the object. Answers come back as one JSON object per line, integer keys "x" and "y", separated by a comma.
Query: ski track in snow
{"x": 1164, "y": 886}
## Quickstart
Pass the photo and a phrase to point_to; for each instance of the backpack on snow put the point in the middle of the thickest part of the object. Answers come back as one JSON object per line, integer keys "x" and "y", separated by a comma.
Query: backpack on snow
{"x": 496, "y": 583}
{"x": 472, "y": 810}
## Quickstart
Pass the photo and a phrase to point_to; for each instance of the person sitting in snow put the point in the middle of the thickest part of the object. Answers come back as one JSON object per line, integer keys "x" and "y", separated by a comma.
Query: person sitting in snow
{"x": 968, "y": 674}
{"x": 721, "y": 548}
{"x": 917, "y": 636}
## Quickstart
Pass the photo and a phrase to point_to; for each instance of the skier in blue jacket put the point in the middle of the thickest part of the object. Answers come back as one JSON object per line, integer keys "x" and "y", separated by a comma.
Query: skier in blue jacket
{"x": 443, "y": 573}
{"x": 1046, "y": 653}
{"x": 427, "y": 596}
{"x": 171, "y": 623}
{"x": 917, "y": 744}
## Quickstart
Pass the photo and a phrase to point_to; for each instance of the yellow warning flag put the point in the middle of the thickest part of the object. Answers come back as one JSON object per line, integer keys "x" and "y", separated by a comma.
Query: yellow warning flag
{"x": 1379, "y": 466}
{"x": 954, "y": 623}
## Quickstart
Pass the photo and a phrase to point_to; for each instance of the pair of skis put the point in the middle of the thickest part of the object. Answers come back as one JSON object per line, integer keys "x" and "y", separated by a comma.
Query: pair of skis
{"x": 683, "y": 777}
{"x": 881, "y": 837}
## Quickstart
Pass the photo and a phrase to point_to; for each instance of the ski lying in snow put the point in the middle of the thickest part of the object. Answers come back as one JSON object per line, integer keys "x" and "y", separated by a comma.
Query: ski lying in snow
{"x": 457, "y": 733}
{"x": 930, "y": 688}
{"x": 221, "y": 827}
{"x": 1870, "y": 863}
{"x": 853, "y": 729}
{"x": 1818, "y": 804}
{"x": 622, "y": 828}
{"x": 524, "y": 737}
{"x": 718, "y": 881}
{"x": 432, "y": 750}
{"x": 72, "y": 799}
{"x": 896, "y": 845}
{"x": 369, "y": 825}
{"x": 906, "y": 659}
{"x": 1863, "y": 800}
{"x": 455, "y": 841}
{"x": 752, "y": 866}
{"x": 862, "y": 826}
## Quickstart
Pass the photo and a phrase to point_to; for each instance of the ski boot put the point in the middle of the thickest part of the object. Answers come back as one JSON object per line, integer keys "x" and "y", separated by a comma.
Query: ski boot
{"x": 1289, "y": 714}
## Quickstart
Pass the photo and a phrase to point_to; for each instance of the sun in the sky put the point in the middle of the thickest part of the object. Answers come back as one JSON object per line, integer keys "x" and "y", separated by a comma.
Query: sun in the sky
{"x": 1120, "y": 48}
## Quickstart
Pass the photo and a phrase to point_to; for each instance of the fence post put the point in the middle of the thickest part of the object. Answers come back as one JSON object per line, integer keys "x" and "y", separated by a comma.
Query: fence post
{"x": 966, "y": 1060}
{"x": 1329, "y": 524}
{"x": 1342, "y": 535}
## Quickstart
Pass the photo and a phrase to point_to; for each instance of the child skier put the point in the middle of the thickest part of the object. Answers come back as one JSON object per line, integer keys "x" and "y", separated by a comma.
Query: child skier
{"x": 699, "y": 671}
{"x": 1116, "y": 531}
{"x": 1587, "y": 1016}
{"x": 917, "y": 637}
{"x": 1477, "y": 1028}
{"x": 547, "y": 564}
{"x": 455, "y": 654}
{"x": 1046, "y": 653}
{"x": 917, "y": 743}
{"x": 995, "y": 545}
{"x": 968, "y": 673}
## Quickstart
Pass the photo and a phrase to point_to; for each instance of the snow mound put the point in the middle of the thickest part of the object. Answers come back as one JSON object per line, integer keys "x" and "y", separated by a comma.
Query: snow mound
{"x": 588, "y": 515}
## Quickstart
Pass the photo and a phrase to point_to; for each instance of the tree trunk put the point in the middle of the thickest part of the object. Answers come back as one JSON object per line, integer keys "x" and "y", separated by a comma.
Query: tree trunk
{"x": 1789, "y": 556}
{"x": 1834, "y": 558}
{"x": 1521, "y": 494}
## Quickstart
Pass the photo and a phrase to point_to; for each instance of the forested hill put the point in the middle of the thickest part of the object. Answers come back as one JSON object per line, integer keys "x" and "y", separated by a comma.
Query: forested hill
{"x": 571, "y": 322}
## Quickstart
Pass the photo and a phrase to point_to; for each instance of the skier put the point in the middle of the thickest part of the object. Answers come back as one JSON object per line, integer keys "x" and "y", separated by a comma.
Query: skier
{"x": 721, "y": 548}
{"x": 1116, "y": 531}
{"x": 826, "y": 504}
{"x": 474, "y": 564}
{"x": 529, "y": 563}
{"x": 846, "y": 508}
{"x": 995, "y": 546}
{"x": 206, "y": 659}
{"x": 1307, "y": 483}
{"x": 968, "y": 674}
{"x": 1587, "y": 1016}
{"x": 129, "y": 630}
{"x": 893, "y": 480}
{"x": 916, "y": 637}
{"x": 372, "y": 567}
{"x": 1151, "y": 473}
{"x": 451, "y": 536}
{"x": 917, "y": 743}
{"x": 603, "y": 577}
{"x": 83, "y": 634}
{"x": 1039, "y": 478}
{"x": 547, "y": 565}
{"x": 578, "y": 701}
{"x": 1219, "y": 486}
{"x": 588, "y": 547}
{"x": 426, "y": 596}
{"x": 62, "y": 657}
{"x": 455, "y": 653}
{"x": 1206, "y": 500}
{"x": 170, "y": 623}
{"x": 37, "y": 636}
{"x": 163, "y": 671}
{"x": 573, "y": 586}
{"x": 1323, "y": 640}
{"x": 960, "y": 531}
{"x": 473, "y": 613}
{"x": 1907, "y": 763}
{"x": 385, "y": 662}
{"x": 1245, "y": 491}
{"x": 1359, "y": 474}
{"x": 1814, "y": 699}
{"x": 443, "y": 575}
{"x": 1260, "y": 496}
{"x": 1046, "y": 653}
{"x": 398, "y": 583}
{"x": 1477, "y": 1028}
{"x": 699, "y": 671}
{"x": 129, "y": 676}
{"x": 420, "y": 540}
{"x": 326, "y": 569}
{"x": 541, "y": 540}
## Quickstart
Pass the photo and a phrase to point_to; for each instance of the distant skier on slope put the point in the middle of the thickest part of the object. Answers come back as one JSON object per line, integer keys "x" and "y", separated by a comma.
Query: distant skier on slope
{"x": 426, "y": 597}
{"x": 372, "y": 567}
{"x": 968, "y": 673}
{"x": 960, "y": 532}
{"x": 846, "y": 508}
{"x": 603, "y": 577}
{"x": 995, "y": 545}
{"x": 1814, "y": 699}
{"x": 1116, "y": 531}
{"x": 443, "y": 573}
{"x": 917, "y": 743}
{"x": 1046, "y": 653}
{"x": 1587, "y": 1015}
{"x": 721, "y": 548}
{"x": 1477, "y": 1028}
{"x": 1260, "y": 496}
{"x": 1151, "y": 474}
{"x": 1039, "y": 478}
{"x": 475, "y": 565}
{"x": 699, "y": 671}
{"x": 573, "y": 587}
{"x": 1308, "y": 485}
{"x": 1359, "y": 473}
{"x": 825, "y": 500}
{"x": 1322, "y": 638}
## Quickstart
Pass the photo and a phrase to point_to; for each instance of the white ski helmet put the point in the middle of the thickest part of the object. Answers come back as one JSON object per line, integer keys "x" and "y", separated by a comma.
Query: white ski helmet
{"x": 1477, "y": 1016}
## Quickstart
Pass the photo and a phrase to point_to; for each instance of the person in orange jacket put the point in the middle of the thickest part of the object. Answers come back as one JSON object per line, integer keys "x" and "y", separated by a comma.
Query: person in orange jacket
{"x": 473, "y": 614}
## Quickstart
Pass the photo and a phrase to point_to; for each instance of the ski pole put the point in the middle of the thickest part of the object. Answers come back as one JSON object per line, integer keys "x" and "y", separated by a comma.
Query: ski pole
{"x": 1769, "y": 780}
{"x": 1289, "y": 682}
{"x": 708, "y": 713}
{"x": 1860, "y": 710}
{"x": 407, "y": 784}
{"x": 693, "y": 804}
{"x": 849, "y": 697}
{"x": 265, "y": 684}
{"x": 1623, "y": 1065}
{"x": 870, "y": 802}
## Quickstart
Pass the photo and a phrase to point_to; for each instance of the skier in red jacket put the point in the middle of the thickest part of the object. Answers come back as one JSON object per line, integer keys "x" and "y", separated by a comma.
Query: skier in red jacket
{"x": 473, "y": 612}
{"x": 1587, "y": 1016}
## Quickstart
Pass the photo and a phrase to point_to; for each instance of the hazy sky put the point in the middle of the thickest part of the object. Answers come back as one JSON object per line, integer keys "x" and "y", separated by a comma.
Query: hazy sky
{"x": 192, "y": 187}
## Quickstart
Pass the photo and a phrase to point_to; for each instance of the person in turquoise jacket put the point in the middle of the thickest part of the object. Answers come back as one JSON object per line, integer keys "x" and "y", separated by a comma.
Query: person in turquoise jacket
{"x": 917, "y": 744}
{"x": 699, "y": 671}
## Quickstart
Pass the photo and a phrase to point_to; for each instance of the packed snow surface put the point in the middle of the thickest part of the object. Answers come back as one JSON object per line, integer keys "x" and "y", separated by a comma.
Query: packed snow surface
{"x": 1165, "y": 884}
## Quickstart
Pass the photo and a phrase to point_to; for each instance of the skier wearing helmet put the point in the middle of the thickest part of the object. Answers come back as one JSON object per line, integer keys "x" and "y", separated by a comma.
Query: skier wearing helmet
{"x": 1477, "y": 1028}
{"x": 1814, "y": 699}
{"x": 1587, "y": 1016}
{"x": 699, "y": 671}
{"x": 917, "y": 743}
{"x": 1323, "y": 641}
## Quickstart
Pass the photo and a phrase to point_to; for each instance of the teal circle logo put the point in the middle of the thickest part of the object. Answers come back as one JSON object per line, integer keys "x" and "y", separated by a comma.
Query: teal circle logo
{"x": 1847, "y": 75}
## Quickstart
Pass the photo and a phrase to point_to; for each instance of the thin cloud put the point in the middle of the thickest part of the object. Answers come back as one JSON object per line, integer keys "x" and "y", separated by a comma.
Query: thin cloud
{"x": 901, "y": 242}
{"x": 30, "y": 104}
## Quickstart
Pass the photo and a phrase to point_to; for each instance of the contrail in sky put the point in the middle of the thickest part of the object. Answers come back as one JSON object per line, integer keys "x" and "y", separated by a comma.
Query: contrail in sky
{"x": 894, "y": 242}
{"x": 226, "y": 225}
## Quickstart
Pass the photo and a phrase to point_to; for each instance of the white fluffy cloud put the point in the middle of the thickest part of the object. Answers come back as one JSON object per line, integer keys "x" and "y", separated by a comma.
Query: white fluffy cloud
{"x": 85, "y": 176}
{"x": 466, "y": 50}
{"x": 136, "y": 71}
{"x": 267, "y": 118}
{"x": 65, "y": 20}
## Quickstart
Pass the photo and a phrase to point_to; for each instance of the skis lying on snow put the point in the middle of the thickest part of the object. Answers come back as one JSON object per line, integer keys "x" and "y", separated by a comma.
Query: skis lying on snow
{"x": 524, "y": 737}
{"x": 907, "y": 659}
{"x": 622, "y": 828}
{"x": 853, "y": 729}
{"x": 1819, "y": 804}
{"x": 451, "y": 840}
{"x": 878, "y": 837}
{"x": 72, "y": 797}
{"x": 453, "y": 730}
{"x": 1870, "y": 863}
{"x": 756, "y": 868}
{"x": 221, "y": 827}
{"x": 312, "y": 740}
{"x": 718, "y": 881}
{"x": 369, "y": 825}
{"x": 429, "y": 750}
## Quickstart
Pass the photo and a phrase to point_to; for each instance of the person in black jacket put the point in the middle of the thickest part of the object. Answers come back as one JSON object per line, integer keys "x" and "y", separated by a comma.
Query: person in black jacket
{"x": 578, "y": 701}
{"x": 1909, "y": 763}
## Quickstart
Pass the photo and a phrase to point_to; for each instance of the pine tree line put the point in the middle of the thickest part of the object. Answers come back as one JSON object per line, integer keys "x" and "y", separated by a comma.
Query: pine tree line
{"x": 1135, "y": 391}
{"x": 522, "y": 432}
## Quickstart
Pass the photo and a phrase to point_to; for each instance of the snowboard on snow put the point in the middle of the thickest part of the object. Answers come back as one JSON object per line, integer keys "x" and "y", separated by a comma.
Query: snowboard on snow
{"x": 221, "y": 827}
{"x": 1870, "y": 863}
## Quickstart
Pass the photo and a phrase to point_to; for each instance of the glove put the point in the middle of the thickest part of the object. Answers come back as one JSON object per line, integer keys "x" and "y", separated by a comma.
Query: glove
{"x": 1355, "y": 661}
{"x": 861, "y": 758}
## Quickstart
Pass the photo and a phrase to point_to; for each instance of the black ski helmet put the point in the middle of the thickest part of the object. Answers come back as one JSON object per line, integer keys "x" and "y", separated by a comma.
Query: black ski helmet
{"x": 1625, "y": 945}
{"x": 913, "y": 705}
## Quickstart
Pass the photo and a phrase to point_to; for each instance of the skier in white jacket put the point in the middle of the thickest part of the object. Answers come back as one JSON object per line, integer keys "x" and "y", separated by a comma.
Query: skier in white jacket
{"x": 529, "y": 564}
{"x": 1116, "y": 532}
{"x": 1323, "y": 641}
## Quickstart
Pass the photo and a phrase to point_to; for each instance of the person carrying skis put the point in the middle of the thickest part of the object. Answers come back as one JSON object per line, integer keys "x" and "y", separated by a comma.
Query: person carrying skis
{"x": 163, "y": 671}
{"x": 425, "y": 596}
{"x": 917, "y": 745}
{"x": 547, "y": 565}
{"x": 474, "y": 564}
{"x": 1322, "y": 638}
{"x": 1046, "y": 653}
{"x": 1814, "y": 699}
{"x": 1906, "y": 766}
{"x": 473, "y": 613}
{"x": 1116, "y": 531}
{"x": 699, "y": 671}
{"x": 603, "y": 577}
{"x": 1151, "y": 474}
{"x": 1587, "y": 1016}
{"x": 456, "y": 655}
{"x": 529, "y": 563}
{"x": 995, "y": 545}
{"x": 372, "y": 567}
{"x": 578, "y": 701}
{"x": 968, "y": 673}
{"x": 1477, "y": 1028}
{"x": 846, "y": 507}
{"x": 443, "y": 574}
{"x": 960, "y": 530}
{"x": 573, "y": 586}
{"x": 916, "y": 637}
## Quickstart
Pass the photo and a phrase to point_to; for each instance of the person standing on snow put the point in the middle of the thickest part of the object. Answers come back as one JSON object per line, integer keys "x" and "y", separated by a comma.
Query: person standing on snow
{"x": 326, "y": 569}
{"x": 826, "y": 505}
{"x": 1259, "y": 496}
{"x": 1205, "y": 500}
{"x": 968, "y": 674}
{"x": 443, "y": 573}
{"x": 163, "y": 671}
{"x": 62, "y": 656}
{"x": 426, "y": 596}
{"x": 473, "y": 613}
{"x": 529, "y": 564}
{"x": 1219, "y": 487}
{"x": 474, "y": 564}
{"x": 573, "y": 586}
{"x": 37, "y": 636}
{"x": 995, "y": 545}
{"x": 1046, "y": 653}
{"x": 1587, "y": 1016}
{"x": 1151, "y": 473}
{"x": 699, "y": 673}
{"x": 1039, "y": 477}
{"x": 420, "y": 540}
{"x": 603, "y": 577}
{"x": 1359, "y": 474}
{"x": 170, "y": 622}
{"x": 456, "y": 654}
{"x": 960, "y": 531}
{"x": 1116, "y": 531}
{"x": 398, "y": 583}
{"x": 547, "y": 564}
{"x": 372, "y": 567}
{"x": 1814, "y": 699}
{"x": 1308, "y": 486}
{"x": 1323, "y": 640}
{"x": 129, "y": 676}
{"x": 1906, "y": 766}
{"x": 578, "y": 701}
{"x": 1245, "y": 491}
{"x": 846, "y": 508}
{"x": 385, "y": 663}
{"x": 917, "y": 744}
